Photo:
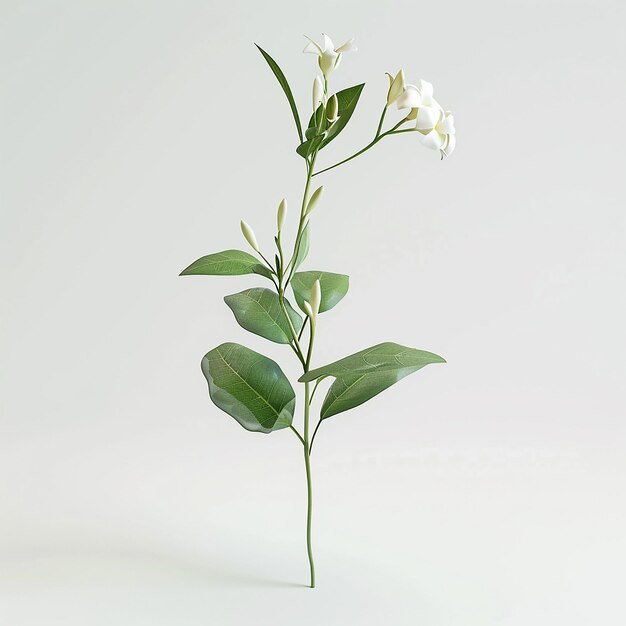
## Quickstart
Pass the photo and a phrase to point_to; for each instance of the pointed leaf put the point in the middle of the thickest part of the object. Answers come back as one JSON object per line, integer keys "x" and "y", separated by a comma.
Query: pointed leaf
{"x": 365, "y": 374}
{"x": 347, "y": 100}
{"x": 226, "y": 263}
{"x": 334, "y": 288}
{"x": 286, "y": 88}
{"x": 309, "y": 146}
{"x": 258, "y": 310}
{"x": 249, "y": 387}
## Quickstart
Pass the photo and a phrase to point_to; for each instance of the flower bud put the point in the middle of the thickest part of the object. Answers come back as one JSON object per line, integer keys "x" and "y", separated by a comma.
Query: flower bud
{"x": 307, "y": 308}
{"x": 317, "y": 194}
{"x": 396, "y": 87}
{"x": 318, "y": 92}
{"x": 248, "y": 233}
{"x": 316, "y": 297}
{"x": 282, "y": 214}
{"x": 332, "y": 109}
{"x": 412, "y": 114}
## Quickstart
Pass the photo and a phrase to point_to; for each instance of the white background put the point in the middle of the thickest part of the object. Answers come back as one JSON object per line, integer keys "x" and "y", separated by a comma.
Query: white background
{"x": 489, "y": 491}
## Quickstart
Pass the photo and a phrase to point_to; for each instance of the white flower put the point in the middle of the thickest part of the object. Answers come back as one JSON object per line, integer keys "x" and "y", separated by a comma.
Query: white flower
{"x": 407, "y": 96}
{"x": 436, "y": 128}
{"x": 329, "y": 56}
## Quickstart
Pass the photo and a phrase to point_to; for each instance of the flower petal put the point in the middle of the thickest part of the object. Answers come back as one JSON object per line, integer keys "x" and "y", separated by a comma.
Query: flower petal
{"x": 426, "y": 91}
{"x": 396, "y": 87}
{"x": 329, "y": 61}
{"x": 450, "y": 145}
{"x": 427, "y": 118}
{"x": 347, "y": 47}
{"x": 409, "y": 98}
{"x": 328, "y": 43}
{"x": 433, "y": 140}
{"x": 312, "y": 47}
{"x": 446, "y": 124}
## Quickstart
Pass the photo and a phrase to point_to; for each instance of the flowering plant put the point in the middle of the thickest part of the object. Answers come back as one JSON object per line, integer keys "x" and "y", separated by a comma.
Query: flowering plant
{"x": 251, "y": 387}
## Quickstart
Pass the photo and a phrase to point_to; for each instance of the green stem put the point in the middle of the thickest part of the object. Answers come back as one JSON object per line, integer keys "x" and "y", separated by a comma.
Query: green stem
{"x": 380, "y": 124}
{"x": 371, "y": 144}
{"x": 305, "y": 198}
{"x": 284, "y": 277}
{"x": 297, "y": 434}
{"x": 309, "y": 487}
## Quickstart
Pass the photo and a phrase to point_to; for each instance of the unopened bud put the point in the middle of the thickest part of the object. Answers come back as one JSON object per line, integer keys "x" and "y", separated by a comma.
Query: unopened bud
{"x": 318, "y": 92}
{"x": 317, "y": 194}
{"x": 396, "y": 87}
{"x": 332, "y": 109}
{"x": 248, "y": 233}
{"x": 307, "y": 308}
{"x": 282, "y": 214}
{"x": 316, "y": 297}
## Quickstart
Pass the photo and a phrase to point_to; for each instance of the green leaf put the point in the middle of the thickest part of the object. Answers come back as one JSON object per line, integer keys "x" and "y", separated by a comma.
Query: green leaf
{"x": 303, "y": 250}
{"x": 309, "y": 146}
{"x": 334, "y": 288}
{"x": 286, "y": 88}
{"x": 226, "y": 263}
{"x": 365, "y": 374}
{"x": 347, "y": 99}
{"x": 258, "y": 310}
{"x": 249, "y": 387}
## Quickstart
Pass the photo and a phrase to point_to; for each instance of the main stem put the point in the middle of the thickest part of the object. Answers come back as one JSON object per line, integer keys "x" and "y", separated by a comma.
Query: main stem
{"x": 309, "y": 486}
{"x": 283, "y": 282}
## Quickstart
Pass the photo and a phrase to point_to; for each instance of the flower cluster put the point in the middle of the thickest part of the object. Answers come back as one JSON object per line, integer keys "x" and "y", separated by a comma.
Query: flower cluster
{"x": 435, "y": 126}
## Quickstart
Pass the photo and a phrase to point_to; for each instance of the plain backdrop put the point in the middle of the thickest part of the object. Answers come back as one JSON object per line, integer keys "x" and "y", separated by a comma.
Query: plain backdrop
{"x": 485, "y": 492}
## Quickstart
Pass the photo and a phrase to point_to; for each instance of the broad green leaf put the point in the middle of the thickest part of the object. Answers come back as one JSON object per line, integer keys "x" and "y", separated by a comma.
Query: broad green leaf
{"x": 334, "y": 288}
{"x": 226, "y": 263}
{"x": 365, "y": 374}
{"x": 303, "y": 250}
{"x": 258, "y": 310}
{"x": 249, "y": 387}
{"x": 347, "y": 99}
{"x": 286, "y": 88}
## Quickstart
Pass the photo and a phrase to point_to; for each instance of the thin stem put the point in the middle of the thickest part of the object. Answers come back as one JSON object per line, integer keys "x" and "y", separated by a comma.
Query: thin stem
{"x": 303, "y": 327}
{"x": 313, "y": 437}
{"x": 269, "y": 265}
{"x": 317, "y": 382}
{"x": 309, "y": 487}
{"x": 354, "y": 156}
{"x": 305, "y": 198}
{"x": 380, "y": 124}
{"x": 294, "y": 343}
{"x": 297, "y": 434}
{"x": 371, "y": 144}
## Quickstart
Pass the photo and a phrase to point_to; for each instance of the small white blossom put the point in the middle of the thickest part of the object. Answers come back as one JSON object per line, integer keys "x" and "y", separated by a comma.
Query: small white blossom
{"x": 329, "y": 56}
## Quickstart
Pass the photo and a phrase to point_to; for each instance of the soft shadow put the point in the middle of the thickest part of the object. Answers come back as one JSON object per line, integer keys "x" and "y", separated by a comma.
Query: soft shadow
{"x": 63, "y": 564}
